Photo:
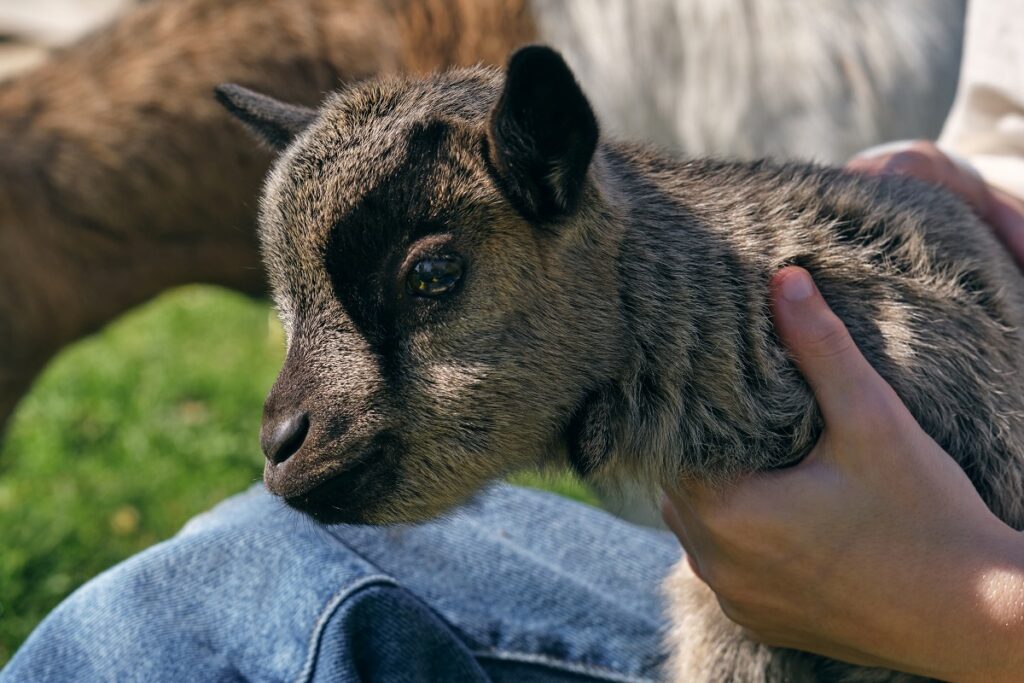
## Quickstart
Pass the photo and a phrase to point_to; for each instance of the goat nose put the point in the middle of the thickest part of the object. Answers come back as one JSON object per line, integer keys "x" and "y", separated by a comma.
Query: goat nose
{"x": 284, "y": 439}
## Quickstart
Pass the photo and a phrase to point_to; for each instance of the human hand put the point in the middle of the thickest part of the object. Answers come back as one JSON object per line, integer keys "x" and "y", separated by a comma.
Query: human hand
{"x": 923, "y": 160}
{"x": 876, "y": 549}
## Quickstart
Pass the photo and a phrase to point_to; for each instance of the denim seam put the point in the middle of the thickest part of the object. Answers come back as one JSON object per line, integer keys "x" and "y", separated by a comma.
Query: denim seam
{"x": 582, "y": 669}
{"x": 329, "y": 609}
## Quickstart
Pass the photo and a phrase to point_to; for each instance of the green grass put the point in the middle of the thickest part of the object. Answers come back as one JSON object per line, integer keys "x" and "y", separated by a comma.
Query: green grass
{"x": 130, "y": 433}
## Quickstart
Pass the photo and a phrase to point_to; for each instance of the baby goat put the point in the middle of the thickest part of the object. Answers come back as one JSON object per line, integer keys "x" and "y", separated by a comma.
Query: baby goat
{"x": 472, "y": 283}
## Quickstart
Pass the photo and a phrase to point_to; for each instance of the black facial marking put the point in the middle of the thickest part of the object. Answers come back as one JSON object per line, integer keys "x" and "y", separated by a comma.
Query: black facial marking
{"x": 366, "y": 246}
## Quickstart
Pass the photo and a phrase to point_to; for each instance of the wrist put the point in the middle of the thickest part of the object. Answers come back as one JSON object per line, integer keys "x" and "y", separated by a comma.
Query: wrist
{"x": 990, "y": 633}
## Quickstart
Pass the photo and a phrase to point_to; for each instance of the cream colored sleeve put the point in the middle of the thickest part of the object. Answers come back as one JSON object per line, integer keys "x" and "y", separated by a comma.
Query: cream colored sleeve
{"x": 986, "y": 124}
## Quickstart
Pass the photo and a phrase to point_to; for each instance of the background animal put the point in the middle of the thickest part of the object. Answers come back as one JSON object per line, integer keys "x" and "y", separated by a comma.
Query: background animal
{"x": 472, "y": 283}
{"x": 119, "y": 180}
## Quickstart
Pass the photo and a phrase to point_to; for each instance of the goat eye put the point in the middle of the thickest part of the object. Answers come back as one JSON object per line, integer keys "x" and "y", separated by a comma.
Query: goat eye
{"x": 434, "y": 276}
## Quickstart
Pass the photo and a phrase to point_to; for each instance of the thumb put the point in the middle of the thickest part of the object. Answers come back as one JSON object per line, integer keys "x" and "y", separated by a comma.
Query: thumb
{"x": 844, "y": 383}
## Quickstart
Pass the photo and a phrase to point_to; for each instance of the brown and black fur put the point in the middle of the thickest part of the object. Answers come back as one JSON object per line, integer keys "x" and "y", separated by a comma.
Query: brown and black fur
{"x": 612, "y": 314}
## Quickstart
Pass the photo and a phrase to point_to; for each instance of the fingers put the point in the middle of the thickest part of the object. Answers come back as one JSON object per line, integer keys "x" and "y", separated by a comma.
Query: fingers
{"x": 925, "y": 161}
{"x": 1006, "y": 216}
{"x": 844, "y": 383}
{"x": 853, "y": 398}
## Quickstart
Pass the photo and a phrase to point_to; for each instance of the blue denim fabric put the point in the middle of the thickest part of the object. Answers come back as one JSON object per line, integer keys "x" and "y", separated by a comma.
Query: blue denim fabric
{"x": 518, "y": 586}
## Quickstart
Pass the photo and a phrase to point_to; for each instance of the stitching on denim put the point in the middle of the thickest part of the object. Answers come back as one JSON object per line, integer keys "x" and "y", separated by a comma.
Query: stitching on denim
{"x": 330, "y": 608}
{"x": 543, "y": 660}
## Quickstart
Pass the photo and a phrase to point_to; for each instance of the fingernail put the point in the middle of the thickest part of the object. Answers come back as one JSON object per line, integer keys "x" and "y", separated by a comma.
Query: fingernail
{"x": 797, "y": 286}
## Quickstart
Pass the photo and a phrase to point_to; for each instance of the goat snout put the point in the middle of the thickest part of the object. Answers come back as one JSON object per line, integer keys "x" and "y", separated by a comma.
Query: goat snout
{"x": 304, "y": 448}
{"x": 282, "y": 438}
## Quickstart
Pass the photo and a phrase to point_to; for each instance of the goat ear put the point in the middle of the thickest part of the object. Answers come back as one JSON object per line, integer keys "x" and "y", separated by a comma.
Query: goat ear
{"x": 274, "y": 122}
{"x": 542, "y": 135}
